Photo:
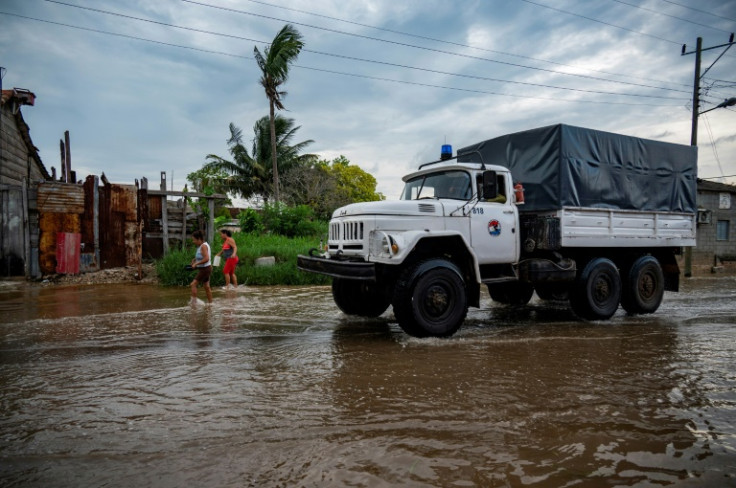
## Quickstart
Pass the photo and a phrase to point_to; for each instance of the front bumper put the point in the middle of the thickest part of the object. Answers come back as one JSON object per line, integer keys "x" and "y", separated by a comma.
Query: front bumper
{"x": 354, "y": 270}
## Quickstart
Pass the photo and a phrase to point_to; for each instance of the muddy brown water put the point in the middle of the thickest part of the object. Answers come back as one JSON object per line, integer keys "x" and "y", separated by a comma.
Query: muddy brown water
{"x": 128, "y": 385}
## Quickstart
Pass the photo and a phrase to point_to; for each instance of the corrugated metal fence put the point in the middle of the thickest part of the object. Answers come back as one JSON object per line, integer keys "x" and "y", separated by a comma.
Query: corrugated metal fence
{"x": 113, "y": 225}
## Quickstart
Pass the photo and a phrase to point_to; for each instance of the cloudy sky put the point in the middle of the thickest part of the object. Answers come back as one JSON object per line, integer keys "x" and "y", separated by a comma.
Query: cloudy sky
{"x": 151, "y": 86}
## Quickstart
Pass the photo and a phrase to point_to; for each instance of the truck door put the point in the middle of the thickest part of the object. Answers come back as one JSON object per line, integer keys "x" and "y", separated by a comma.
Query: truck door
{"x": 493, "y": 227}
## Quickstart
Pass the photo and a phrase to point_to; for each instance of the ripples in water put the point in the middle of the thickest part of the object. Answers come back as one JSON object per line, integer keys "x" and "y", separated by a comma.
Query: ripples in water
{"x": 274, "y": 387}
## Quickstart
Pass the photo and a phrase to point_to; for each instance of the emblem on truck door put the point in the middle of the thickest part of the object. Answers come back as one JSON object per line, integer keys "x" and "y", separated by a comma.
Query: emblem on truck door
{"x": 494, "y": 227}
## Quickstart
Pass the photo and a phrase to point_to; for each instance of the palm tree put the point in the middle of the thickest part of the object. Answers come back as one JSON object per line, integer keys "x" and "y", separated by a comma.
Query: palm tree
{"x": 288, "y": 154}
{"x": 250, "y": 174}
{"x": 274, "y": 64}
{"x": 246, "y": 175}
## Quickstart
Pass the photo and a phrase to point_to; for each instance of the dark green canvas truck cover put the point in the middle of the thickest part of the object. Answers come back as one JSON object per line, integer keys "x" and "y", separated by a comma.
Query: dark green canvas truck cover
{"x": 562, "y": 165}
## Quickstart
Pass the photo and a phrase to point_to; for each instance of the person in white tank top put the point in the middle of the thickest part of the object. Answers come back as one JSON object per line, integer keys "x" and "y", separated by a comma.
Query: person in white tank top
{"x": 202, "y": 264}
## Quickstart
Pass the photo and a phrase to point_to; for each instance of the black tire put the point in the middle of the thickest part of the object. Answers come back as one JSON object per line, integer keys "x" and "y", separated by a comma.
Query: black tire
{"x": 558, "y": 292}
{"x": 514, "y": 293}
{"x": 597, "y": 290}
{"x": 643, "y": 287}
{"x": 359, "y": 297}
{"x": 430, "y": 299}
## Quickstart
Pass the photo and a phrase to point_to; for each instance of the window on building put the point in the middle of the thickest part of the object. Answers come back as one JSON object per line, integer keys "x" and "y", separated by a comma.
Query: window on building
{"x": 722, "y": 230}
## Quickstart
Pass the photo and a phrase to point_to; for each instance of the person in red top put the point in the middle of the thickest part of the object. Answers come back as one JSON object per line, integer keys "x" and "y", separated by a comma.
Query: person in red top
{"x": 230, "y": 253}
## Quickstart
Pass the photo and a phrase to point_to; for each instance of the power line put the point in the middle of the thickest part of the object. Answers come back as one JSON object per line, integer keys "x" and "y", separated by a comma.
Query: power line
{"x": 207, "y": 51}
{"x": 670, "y": 16}
{"x": 713, "y": 143}
{"x": 452, "y": 43}
{"x": 481, "y": 91}
{"x": 701, "y": 11}
{"x": 126, "y": 36}
{"x": 107, "y": 12}
{"x": 601, "y": 22}
{"x": 516, "y": 65}
{"x": 483, "y": 78}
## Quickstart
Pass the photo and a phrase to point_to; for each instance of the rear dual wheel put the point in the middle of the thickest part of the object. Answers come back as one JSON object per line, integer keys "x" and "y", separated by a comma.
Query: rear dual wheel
{"x": 643, "y": 286}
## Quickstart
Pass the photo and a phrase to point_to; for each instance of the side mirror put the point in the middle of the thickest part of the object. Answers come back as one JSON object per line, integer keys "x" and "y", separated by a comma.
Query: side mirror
{"x": 490, "y": 190}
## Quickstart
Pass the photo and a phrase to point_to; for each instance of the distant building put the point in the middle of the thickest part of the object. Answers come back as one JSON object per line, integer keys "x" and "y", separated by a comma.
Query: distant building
{"x": 716, "y": 236}
{"x": 20, "y": 171}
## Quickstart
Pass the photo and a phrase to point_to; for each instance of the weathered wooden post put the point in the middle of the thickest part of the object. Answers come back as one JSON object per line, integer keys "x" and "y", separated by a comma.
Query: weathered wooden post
{"x": 164, "y": 214}
{"x": 96, "y": 220}
{"x": 184, "y": 223}
{"x": 67, "y": 159}
{"x": 26, "y": 230}
{"x": 211, "y": 219}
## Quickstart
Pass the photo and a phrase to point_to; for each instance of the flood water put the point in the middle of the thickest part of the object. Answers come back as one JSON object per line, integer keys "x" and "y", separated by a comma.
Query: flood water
{"x": 127, "y": 385}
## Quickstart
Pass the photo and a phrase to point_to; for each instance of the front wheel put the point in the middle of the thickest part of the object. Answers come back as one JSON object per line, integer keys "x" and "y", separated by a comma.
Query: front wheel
{"x": 357, "y": 297}
{"x": 597, "y": 290}
{"x": 644, "y": 286}
{"x": 430, "y": 299}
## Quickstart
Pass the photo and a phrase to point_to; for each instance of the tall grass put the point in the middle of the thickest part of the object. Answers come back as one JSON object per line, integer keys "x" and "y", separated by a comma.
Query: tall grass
{"x": 171, "y": 270}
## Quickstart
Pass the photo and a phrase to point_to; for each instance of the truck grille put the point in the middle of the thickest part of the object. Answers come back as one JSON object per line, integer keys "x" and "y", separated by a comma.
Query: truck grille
{"x": 346, "y": 231}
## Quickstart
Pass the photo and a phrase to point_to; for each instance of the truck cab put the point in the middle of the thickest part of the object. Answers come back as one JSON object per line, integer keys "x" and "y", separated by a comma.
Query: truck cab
{"x": 457, "y": 220}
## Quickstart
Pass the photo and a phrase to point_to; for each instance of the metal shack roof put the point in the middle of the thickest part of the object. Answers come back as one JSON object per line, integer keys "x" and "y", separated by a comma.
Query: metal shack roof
{"x": 11, "y": 101}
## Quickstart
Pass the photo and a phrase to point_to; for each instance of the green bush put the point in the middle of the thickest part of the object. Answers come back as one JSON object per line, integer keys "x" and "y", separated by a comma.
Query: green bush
{"x": 250, "y": 220}
{"x": 171, "y": 270}
{"x": 298, "y": 221}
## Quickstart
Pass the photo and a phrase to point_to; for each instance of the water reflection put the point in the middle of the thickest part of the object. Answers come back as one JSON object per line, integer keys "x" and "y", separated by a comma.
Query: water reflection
{"x": 273, "y": 387}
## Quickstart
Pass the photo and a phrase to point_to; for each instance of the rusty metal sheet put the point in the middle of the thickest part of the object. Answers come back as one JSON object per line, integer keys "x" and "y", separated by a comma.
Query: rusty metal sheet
{"x": 154, "y": 207}
{"x": 50, "y": 224}
{"x": 61, "y": 198}
{"x": 88, "y": 218}
{"x": 123, "y": 199}
{"x": 131, "y": 243}
{"x": 112, "y": 240}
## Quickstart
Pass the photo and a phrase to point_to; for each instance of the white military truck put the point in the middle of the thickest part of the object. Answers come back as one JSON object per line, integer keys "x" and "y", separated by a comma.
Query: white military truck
{"x": 587, "y": 216}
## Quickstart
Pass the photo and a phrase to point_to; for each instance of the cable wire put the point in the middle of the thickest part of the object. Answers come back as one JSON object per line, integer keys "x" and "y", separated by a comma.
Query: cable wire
{"x": 231, "y": 36}
{"x": 712, "y": 143}
{"x": 397, "y": 43}
{"x": 126, "y": 36}
{"x": 452, "y": 43}
{"x": 601, "y": 22}
{"x": 670, "y": 16}
{"x": 701, "y": 11}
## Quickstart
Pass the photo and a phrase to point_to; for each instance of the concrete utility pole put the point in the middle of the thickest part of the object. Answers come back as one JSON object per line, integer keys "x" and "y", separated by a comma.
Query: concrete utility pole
{"x": 2, "y": 75}
{"x": 696, "y": 82}
{"x": 696, "y": 112}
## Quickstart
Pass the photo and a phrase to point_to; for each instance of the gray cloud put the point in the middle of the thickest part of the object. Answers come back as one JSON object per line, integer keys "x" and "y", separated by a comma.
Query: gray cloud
{"x": 135, "y": 108}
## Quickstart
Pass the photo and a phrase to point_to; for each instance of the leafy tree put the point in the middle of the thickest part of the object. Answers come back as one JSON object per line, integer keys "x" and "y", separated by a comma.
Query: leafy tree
{"x": 274, "y": 65}
{"x": 287, "y": 153}
{"x": 250, "y": 174}
{"x": 354, "y": 184}
{"x": 209, "y": 180}
{"x": 312, "y": 185}
{"x": 325, "y": 186}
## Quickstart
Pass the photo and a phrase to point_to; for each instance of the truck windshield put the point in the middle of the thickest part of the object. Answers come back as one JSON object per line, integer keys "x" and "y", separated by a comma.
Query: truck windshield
{"x": 448, "y": 184}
